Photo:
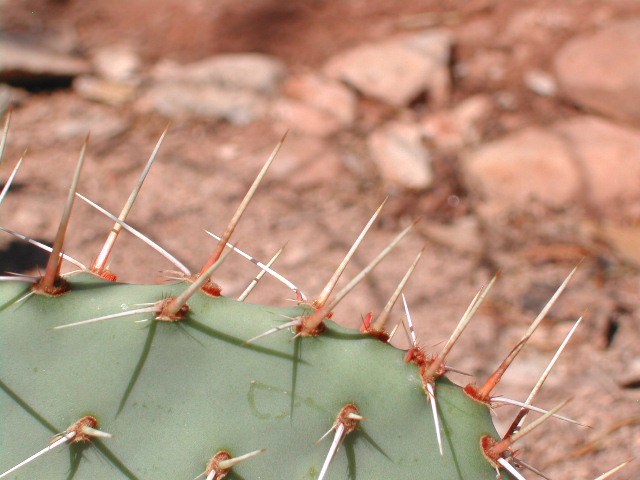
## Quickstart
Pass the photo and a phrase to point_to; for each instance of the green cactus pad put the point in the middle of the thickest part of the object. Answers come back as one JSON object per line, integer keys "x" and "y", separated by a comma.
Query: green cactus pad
{"x": 174, "y": 394}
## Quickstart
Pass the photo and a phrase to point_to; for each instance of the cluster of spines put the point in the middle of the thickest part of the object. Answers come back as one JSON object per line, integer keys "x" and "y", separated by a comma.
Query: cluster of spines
{"x": 498, "y": 452}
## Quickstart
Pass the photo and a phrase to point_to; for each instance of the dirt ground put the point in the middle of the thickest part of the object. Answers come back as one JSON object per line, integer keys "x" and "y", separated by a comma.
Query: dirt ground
{"x": 205, "y": 167}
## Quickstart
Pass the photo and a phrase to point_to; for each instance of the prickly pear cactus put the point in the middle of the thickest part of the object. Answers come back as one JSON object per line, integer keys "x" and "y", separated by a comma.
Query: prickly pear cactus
{"x": 172, "y": 394}
{"x": 105, "y": 380}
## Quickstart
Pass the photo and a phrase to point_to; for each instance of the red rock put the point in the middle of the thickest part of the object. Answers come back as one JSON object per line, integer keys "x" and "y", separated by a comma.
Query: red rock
{"x": 316, "y": 105}
{"x": 303, "y": 118}
{"x": 602, "y": 71}
{"x": 532, "y": 165}
{"x": 485, "y": 67}
{"x": 581, "y": 159}
{"x": 325, "y": 95}
{"x": 609, "y": 159}
{"x": 535, "y": 24}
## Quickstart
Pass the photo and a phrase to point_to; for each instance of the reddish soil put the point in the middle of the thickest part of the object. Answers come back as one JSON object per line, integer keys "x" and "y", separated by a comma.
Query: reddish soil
{"x": 197, "y": 184}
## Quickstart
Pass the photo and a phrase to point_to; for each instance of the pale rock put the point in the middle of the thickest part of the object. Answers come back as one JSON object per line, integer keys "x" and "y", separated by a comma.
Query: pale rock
{"x": 397, "y": 71}
{"x": 239, "y": 107}
{"x": 117, "y": 63}
{"x": 541, "y": 83}
{"x": 601, "y": 71}
{"x": 474, "y": 109}
{"x": 104, "y": 91}
{"x": 61, "y": 39}
{"x": 630, "y": 376}
{"x": 233, "y": 71}
{"x": 401, "y": 156}
{"x": 532, "y": 165}
{"x": 453, "y": 129}
{"x": 30, "y": 65}
{"x": 233, "y": 87}
{"x": 11, "y": 96}
{"x": 100, "y": 124}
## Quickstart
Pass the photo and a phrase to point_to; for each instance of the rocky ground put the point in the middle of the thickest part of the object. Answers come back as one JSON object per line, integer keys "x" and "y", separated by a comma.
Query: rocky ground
{"x": 511, "y": 128}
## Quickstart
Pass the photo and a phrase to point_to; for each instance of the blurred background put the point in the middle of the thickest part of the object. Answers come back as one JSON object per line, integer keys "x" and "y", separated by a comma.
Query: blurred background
{"x": 511, "y": 128}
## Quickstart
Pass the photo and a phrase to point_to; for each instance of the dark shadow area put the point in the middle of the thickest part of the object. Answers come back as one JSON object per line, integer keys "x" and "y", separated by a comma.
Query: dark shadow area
{"x": 20, "y": 297}
{"x": 115, "y": 461}
{"x": 76, "y": 454}
{"x": 362, "y": 433}
{"x": 27, "y": 408}
{"x": 141, "y": 362}
{"x": 16, "y": 186}
{"x": 447, "y": 439}
{"x": 19, "y": 256}
{"x": 350, "y": 450}
{"x": 213, "y": 333}
{"x": 260, "y": 26}
{"x": 632, "y": 384}
{"x": 297, "y": 354}
{"x": 351, "y": 460}
{"x": 36, "y": 83}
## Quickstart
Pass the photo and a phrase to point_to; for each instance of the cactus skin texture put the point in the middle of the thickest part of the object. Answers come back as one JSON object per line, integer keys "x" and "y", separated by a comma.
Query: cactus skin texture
{"x": 173, "y": 394}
